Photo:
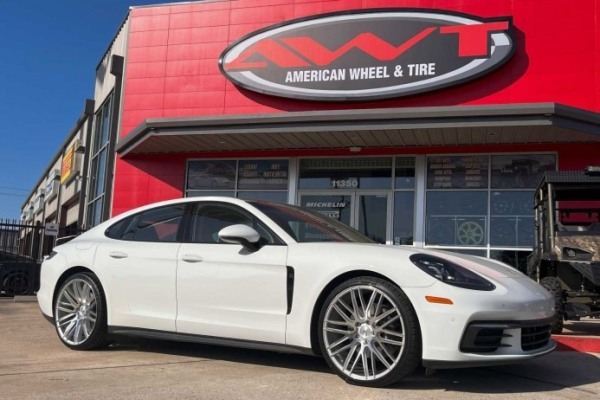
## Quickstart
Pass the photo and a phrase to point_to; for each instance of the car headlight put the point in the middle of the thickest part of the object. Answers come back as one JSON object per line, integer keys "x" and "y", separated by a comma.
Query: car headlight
{"x": 450, "y": 273}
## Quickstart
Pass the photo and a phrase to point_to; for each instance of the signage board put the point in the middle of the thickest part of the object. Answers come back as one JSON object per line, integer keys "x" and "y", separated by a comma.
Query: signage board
{"x": 51, "y": 229}
{"x": 68, "y": 163}
{"x": 368, "y": 54}
{"x": 457, "y": 172}
{"x": 263, "y": 175}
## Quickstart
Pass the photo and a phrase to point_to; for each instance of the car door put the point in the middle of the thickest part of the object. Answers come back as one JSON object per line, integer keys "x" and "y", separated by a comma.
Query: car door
{"x": 139, "y": 263}
{"x": 224, "y": 290}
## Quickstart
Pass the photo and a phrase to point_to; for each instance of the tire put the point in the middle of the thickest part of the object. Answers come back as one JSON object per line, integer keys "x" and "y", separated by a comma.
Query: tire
{"x": 80, "y": 313}
{"x": 374, "y": 348}
{"x": 552, "y": 284}
{"x": 16, "y": 284}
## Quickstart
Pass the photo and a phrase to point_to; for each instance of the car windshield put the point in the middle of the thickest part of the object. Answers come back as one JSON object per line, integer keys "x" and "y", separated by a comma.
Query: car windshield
{"x": 305, "y": 225}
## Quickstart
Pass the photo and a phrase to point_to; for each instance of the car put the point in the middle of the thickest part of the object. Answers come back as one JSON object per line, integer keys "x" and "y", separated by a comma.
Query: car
{"x": 17, "y": 274}
{"x": 273, "y": 276}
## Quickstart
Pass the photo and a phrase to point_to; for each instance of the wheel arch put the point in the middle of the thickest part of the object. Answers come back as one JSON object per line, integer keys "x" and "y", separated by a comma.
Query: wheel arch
{"x": 314, "y": 320}
{"x": 68, "y": 273}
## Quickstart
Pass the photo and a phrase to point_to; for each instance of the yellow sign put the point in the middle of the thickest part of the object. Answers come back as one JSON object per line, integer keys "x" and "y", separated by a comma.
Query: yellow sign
{"x": 68, "y": 163}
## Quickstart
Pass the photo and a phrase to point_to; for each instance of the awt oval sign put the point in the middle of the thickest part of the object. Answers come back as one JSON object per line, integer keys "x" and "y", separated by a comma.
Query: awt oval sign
{"x": 367, "y": 54}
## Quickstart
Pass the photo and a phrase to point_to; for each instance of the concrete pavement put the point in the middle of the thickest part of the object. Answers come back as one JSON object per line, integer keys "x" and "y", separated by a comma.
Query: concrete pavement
{"x": 35, "y": 365}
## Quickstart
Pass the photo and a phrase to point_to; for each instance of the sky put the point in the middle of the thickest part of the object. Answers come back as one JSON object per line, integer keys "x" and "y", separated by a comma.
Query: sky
{"x": 48, "y": 56}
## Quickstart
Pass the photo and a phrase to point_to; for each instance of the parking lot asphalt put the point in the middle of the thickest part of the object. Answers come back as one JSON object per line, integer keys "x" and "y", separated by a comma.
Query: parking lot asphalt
{"x": 35, "y": 365}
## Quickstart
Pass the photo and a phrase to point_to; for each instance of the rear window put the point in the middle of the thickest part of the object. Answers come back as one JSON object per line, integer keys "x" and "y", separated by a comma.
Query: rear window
{"x": 155, "y": 225}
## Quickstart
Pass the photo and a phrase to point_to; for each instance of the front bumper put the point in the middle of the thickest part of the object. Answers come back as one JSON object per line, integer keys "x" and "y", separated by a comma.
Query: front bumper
{"x": 506, "y": 325}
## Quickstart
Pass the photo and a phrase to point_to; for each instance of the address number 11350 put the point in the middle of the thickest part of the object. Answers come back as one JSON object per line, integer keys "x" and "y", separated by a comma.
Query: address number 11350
{"x": 350, "y": 183}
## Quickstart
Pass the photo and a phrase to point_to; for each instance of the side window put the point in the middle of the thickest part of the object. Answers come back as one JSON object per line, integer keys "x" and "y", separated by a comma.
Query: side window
{"x": 209, "y": 219}
{"x": 156, "y": 225}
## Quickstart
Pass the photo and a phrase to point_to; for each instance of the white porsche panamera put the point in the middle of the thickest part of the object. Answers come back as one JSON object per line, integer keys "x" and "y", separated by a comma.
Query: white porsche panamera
{"x": 274, "y": 276}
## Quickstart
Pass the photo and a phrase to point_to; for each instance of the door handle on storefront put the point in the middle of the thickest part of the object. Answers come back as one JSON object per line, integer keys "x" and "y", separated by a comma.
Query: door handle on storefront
{"x": 191, "y": 258}
{"x": 118, "y": 254}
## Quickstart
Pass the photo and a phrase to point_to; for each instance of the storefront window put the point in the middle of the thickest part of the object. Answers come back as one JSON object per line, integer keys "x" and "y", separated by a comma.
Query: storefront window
{"x": 465, "y": 207}
{"x": 511, "y": 222}
{"x": 517, "y": 259}
{"x": 248, "y": 179}
{"x": 404, "y": 200}
{"x": 211, "y": 175}
{"x": 279, "y": 197}
{"x": 404, "y": 177}
{"x": 522, "y": 171}
{"x": 404, "y": 211}
{"x": 456, "y": 218}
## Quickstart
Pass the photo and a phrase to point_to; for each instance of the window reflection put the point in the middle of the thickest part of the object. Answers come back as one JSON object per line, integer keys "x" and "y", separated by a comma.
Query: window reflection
{"x": 520, "y": 171}
{"x": 404, "y": 211}
{"x": 516, "y": 259}
{"x": 511, "y": 223}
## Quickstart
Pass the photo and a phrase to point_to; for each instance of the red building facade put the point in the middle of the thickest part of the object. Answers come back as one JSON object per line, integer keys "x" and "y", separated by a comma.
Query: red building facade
{"x": 186, "y": 129}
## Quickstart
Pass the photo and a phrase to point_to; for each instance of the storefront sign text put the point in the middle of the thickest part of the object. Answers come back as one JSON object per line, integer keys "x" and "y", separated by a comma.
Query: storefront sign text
{"x": 368, "y": 54}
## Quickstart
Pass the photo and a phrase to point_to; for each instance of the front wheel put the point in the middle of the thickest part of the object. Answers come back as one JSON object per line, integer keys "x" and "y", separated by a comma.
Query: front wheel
{"x": 79, "y": 313}
{"x": 369, "y": 333}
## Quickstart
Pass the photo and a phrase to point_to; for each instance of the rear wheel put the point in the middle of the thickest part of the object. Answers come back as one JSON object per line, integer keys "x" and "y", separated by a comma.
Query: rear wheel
{"x": 552, "y": 284}
{"x": 79, "y": 313}
{"x": 369, "y": 332}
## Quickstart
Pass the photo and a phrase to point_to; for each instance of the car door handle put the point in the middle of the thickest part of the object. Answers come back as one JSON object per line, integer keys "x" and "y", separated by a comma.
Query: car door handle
{"x": 118, "y": 254}
{"x": 191, "y": 258}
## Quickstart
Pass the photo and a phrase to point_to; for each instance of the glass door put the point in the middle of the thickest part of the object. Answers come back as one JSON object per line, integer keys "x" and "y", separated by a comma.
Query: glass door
{"x": 372, "y": 215}
{"x": 365, "y": 211}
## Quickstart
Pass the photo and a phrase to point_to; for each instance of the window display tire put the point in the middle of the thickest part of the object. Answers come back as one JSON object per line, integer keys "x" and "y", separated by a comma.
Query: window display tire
{"x": 470, "y": 233}
{"x": 80, "y": 312}
{"x": 369, "y": 333}
{"x": 552, "y": 284}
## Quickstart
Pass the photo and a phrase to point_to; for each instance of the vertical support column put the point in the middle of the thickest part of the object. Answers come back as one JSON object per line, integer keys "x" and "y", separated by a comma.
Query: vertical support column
{"x": 293, "y": 175}
{"x": 116, "y": 69}
{"x": 83, "y": 190}
{"x": 420, "y": 217}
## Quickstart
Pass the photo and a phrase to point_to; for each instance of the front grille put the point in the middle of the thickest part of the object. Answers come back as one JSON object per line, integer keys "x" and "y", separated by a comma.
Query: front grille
{"x": 490, "y": 336}
{"x": 534, "y": 337}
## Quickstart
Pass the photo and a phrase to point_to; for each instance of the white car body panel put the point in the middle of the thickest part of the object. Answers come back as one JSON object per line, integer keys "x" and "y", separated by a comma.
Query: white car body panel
{"x": 144, "y": 303}
{"x": 229, "y": 292}
{"x": 233, "y": 293}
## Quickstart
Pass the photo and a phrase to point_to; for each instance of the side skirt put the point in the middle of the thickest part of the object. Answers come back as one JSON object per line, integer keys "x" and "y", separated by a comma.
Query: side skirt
{"x": 217, "y": 341}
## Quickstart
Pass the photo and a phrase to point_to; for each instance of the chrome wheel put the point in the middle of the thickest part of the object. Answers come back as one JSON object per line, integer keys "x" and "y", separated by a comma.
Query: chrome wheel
{"x": 76, "y": 311}
{"x": 364, "y": 333}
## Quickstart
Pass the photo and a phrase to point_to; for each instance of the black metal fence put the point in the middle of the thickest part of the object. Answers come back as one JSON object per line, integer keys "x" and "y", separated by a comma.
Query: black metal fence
{"x": 21, "y": 250}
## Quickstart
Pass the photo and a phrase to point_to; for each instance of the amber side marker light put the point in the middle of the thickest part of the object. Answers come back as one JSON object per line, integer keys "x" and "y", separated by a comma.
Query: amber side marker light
{"x": 438, "y": 300}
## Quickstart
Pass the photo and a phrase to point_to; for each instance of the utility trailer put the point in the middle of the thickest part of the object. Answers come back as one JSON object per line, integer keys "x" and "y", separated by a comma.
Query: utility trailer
{"x": 566, "y": 253}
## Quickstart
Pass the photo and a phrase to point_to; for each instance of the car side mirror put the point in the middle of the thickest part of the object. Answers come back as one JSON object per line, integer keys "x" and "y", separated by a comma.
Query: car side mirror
{"x": 241, "y": 234}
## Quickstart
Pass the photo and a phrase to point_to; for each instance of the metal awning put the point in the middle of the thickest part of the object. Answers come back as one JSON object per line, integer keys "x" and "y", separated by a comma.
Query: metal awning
{"x": 397, "y": 127}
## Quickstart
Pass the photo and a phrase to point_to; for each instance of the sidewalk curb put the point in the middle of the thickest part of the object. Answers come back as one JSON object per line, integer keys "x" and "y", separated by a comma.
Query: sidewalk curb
{"x": 584, "y": 344}
{"x": 25, "y": 299}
